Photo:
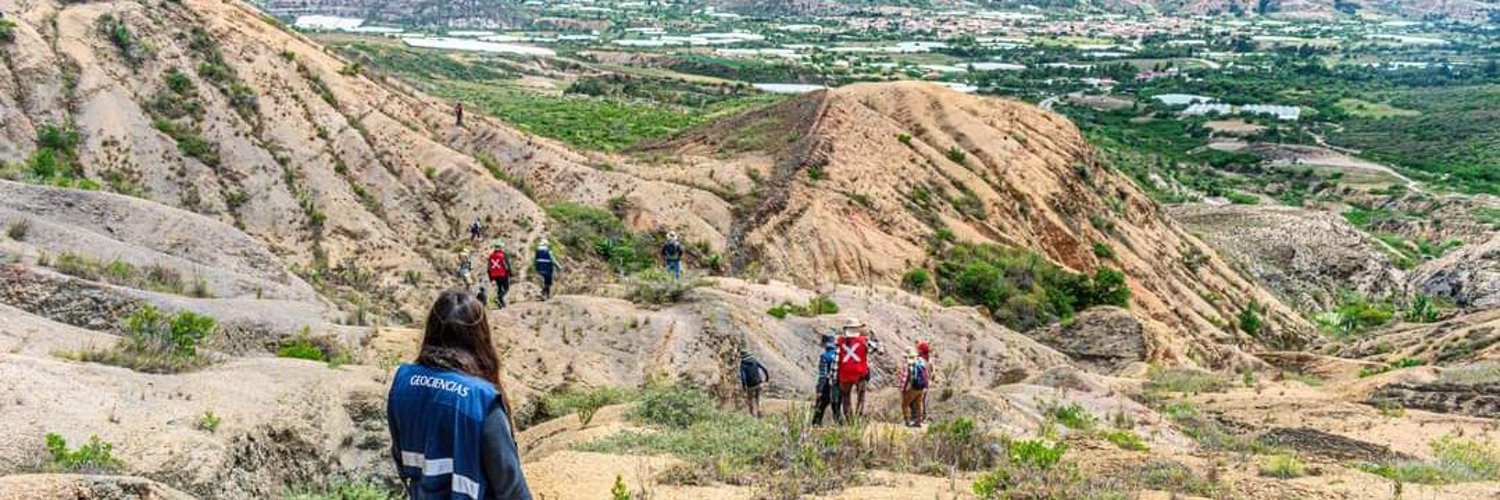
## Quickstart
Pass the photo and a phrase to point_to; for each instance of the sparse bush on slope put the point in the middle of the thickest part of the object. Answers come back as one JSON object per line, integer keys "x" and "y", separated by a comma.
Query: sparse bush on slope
{"x": 157, "y": 342}
{"x": 1021, "y": 289}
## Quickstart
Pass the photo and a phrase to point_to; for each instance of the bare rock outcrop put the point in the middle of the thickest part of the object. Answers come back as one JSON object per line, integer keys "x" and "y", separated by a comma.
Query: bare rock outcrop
{"x": 1468, "y": 276}
{"x": 1102, "y": 339}
{"x": 1306, "y": 257}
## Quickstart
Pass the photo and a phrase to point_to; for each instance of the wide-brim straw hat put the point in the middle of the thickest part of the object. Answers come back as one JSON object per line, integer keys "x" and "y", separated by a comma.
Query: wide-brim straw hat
{"x": 853, "y": 322}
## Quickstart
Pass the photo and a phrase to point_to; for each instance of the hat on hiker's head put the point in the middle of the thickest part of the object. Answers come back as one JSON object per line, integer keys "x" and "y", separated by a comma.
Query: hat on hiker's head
{"x": 543, "y": 244}
{"x": 852, "y": 325}
{"x": 672, "y": 235}
{"x": 827, "y": 341}
{"x": 497, "y": 244}
{"x": 911, "y": 353}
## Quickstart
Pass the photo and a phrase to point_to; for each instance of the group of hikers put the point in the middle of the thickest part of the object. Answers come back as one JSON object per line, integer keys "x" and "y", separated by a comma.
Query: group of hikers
{"x": 844, "y": 373}
{"x": 451, "y": 422}
{"x": 544, "y": 263}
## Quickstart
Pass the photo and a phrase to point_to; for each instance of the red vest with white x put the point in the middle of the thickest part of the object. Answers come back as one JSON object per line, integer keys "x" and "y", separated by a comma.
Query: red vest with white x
{"x": 853, "y": 359}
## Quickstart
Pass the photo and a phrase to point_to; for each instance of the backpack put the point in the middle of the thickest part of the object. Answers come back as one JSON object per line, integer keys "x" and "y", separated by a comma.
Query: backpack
{"x": 750, "y": 375}
{"x": 918, "y": 375}
{"x": 673, "y": 251}
{"x": 498, "y": 269}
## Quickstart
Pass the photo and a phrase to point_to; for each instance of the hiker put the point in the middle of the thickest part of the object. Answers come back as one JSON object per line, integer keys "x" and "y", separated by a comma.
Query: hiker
{"x": 924, "y": 351}
{"x": 854, "y": 349}
{"x": 672, "y": 254}
{"x": 828, "y": 393}
{"x": 499, "y": 272}
{"x": 475, "y": 230}
{"x": 466, "y": 269}
{"x": 448, "y": 414}
{"x": 545, "y": 265}
{"x": 914, "y": 380}
{"x": 753, "y": 376}
{"x": 458, "y": 112}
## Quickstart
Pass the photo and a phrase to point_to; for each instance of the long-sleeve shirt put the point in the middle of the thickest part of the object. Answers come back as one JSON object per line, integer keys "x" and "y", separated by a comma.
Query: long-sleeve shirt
{"x": 502, "y": 463}
{"x": 906, "y": 373}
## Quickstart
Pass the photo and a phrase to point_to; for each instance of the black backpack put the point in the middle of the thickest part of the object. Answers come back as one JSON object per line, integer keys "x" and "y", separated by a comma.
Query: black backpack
{"x": 750, "y": 373}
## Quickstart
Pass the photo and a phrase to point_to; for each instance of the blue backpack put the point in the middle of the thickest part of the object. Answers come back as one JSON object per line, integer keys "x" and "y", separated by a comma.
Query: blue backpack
{"x": 919, "y": 375}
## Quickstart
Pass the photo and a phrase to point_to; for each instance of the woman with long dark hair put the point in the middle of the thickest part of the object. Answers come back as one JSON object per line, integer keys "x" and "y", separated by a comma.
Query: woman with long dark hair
{"x": 451, "y": 433}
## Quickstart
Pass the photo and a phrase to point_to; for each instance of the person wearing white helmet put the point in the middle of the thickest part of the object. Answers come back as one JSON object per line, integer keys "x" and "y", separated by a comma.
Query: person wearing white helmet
{"x": 854, "y": 349}
{"x": 545, "y": 264}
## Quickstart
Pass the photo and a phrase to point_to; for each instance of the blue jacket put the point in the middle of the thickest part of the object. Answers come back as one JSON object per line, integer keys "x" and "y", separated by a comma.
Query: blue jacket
{"x": 826, "y": 365}
{"x": 544, "y": 262}
{"x": 437, "y": 423}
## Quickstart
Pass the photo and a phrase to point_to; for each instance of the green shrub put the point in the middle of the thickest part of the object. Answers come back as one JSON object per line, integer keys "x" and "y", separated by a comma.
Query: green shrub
{"x": 96, "y": 457}
{"x": 1421, "y": 310}
{"x": 1022, "y": 289}
{"x": 1104, "y": 251}
{"x": 583, "y": 402}
{"x": 302, "y": 348}
{"x": 655, "y": 286}
{"x": 1126, "y": 440}
{"x": 1283, "y": 466}
{"x": 1072, "y": 416}
{"x": 209, "y": 422}
{"x": 588, "y": 228}
{"x": 819, "y": 305}
{"x": 1402, "y": 363}
{"x": 1239, "y": 198}
{"x": 157, "y": 342}
{"x": 904, "y": 138}
{"x": 7, "y": 31}
{"x": 916, "y": 280}
{"x": 673, "y": 405}
{"x": 18, "y": 229}
{"x": 1455, "y": 461}
{"x": 1249, "y": 319}
{"x": 619, "y": 491}
{"x": 957, "y": 155}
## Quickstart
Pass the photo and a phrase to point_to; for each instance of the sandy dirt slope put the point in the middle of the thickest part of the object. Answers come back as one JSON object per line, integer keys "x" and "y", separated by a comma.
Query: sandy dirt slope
{"x": 854, "y": 182}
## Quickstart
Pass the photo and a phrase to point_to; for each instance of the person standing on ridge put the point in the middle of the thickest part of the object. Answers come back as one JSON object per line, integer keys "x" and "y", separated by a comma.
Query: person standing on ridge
{"x": 828, "y": 382}
{"x": 672, "y": 254}
{"x": 448, "y": 414}
{"x": 499, "y": 272}
{"x": 475, "y": 230}
{"x": 853, "y": 368}
{"x": 458, "y": 113}
{"x": 753, "y": 376}
{"x": 545, "y": 265}
{"x": 914, "y": 380}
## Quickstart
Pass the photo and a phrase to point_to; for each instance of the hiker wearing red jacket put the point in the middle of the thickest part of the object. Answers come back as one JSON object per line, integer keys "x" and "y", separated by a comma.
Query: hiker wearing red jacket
{"x": 499, "y": 272}
{"x": 854, "y": 349}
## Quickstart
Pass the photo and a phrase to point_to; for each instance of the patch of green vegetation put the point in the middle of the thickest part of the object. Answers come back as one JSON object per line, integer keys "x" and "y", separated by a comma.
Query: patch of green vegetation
{"x": 55, "y": 160}
{"x": 1239, "y": 198}
{"x": 691, "y": 426}
{"x": 209, "y": 421}
{"x": 1455, "y": 461}
{"x": 1022, "y": 289}
{"x": 654, "y": 285}
{"x": 957, "y": 155}
{"x": 95, "y": 457}
{"x": 499, "y": 173}
{"x": 18, "y": 229}
{"x": 1355, "y": 314}
{"x": 1448, "y": 141}
{"x": 214, "y": 68}
{"x": 189, "y": 142}
{"x": 1104, "y": 251}
{"x": 155, "y": 278}
{"x": 1126, "y": 440}
{"x": 1370, "y": 371}
{"x": 1248, "y": 320}
{"x": 156, "y": 342}
{"x": 7, "y": 31}
{"x": 583, "y": 402}
{"x": 1072, "y": 416}
{"x": 575, "y": 119}
{"x": 819, "y": 305}
{"x": 1184, "y": 380}
{"x": 916, "y": 280}
{"x": 118, "y": 34}
{"x": 603, "y": 234}
{"x": 1283, "y": 466}
{"x": 1483, "y": 372}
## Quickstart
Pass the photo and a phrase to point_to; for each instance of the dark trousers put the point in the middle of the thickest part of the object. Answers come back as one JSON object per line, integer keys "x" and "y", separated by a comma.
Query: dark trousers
{"x": 502, "y": 285}
{"x": 546, "y": 283}
{"x": 828, "y": 395}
